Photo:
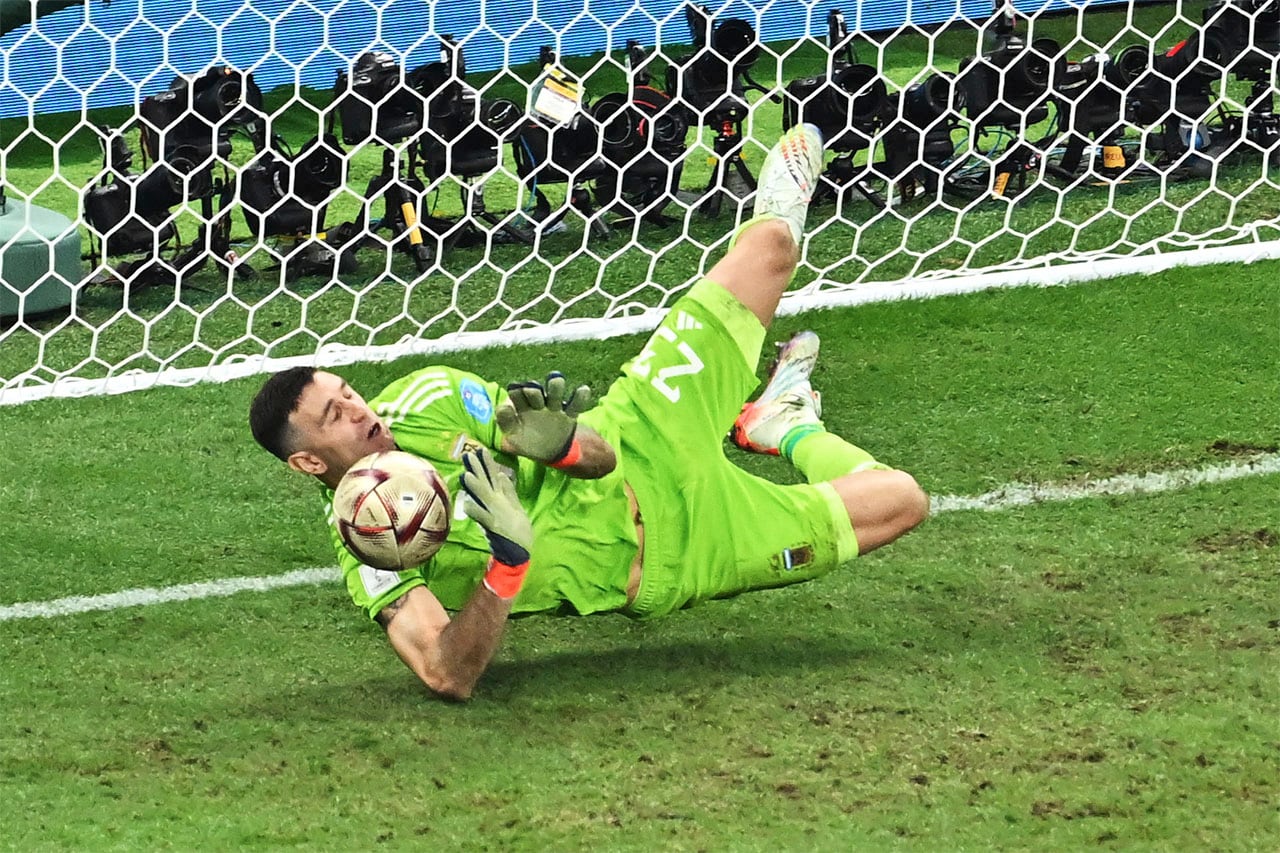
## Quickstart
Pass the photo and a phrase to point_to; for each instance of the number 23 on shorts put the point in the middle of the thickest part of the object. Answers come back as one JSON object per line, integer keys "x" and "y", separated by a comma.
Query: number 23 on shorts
{"x": 661, "y": 380}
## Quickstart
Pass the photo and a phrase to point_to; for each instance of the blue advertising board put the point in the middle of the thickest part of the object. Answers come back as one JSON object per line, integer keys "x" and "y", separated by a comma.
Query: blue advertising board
{"x": 102, "y": 55}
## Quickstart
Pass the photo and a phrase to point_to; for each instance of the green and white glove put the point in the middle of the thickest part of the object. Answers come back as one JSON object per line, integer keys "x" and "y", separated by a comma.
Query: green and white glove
{"x": 540, "y": 422}
{"x": 494, "y": 506}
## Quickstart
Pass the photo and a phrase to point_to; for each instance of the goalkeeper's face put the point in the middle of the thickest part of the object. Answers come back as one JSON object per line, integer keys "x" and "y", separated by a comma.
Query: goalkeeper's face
{"x": 334, "y": 427}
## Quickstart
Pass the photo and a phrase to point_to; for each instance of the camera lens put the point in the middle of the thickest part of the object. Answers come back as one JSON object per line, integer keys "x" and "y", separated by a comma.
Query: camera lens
{"x": 866, "y": 94}
{"x": 227, "y": 95}
{"x": 499, "y": 115}
{"x": 923, "y": 103}
{"x": 735, "y": 40}
{"x": 1132, "y": 62}
{"x": 1032, "y": 71}
{"x": 186, "y": 170}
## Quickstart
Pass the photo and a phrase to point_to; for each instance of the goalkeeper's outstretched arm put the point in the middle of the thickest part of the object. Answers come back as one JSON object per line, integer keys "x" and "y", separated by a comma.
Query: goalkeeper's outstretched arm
{"x": 447, "y": 655}
{"x": 450, "y": 655}
{"x": 540, "y": 420}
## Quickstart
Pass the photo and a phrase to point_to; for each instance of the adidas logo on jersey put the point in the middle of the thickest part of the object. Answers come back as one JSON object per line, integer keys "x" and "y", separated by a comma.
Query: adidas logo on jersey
{"x": 685, "y": 321}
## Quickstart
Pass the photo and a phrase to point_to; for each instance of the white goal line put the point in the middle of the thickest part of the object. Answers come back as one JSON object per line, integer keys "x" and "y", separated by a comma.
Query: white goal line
{"x": 1005, "y": 497}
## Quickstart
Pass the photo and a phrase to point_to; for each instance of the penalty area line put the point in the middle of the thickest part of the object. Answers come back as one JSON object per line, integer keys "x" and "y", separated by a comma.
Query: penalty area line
{"x": 1005, "y": 497}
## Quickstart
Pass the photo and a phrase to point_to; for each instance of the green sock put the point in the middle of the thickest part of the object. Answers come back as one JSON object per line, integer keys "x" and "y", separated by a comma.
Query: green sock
{"x": 822, "y": 455}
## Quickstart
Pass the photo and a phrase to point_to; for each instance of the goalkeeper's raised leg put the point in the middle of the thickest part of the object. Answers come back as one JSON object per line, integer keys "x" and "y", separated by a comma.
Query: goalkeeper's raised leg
{"x": 764, "y": 251}
{"x": 786, "y": 419}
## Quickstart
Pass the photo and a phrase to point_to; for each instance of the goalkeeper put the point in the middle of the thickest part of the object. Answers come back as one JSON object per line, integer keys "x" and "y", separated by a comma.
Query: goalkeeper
{"x": 630, "y": 506}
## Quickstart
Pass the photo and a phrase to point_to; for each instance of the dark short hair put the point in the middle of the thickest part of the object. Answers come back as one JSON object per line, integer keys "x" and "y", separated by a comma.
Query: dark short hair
{"x": 276, "y": 400}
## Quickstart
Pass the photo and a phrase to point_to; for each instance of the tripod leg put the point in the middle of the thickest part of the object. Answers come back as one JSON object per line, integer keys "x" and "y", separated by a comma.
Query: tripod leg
{"x": 711, "y": 200}
{"x": 206, "y": 243}
{"x": 728, "y": 152}
{"x": 514, "y": 233}
{"x": 401, "y": 216}
{"x": 420, "y": 251}
{"x": 1072, "y": 155}
{"x": 580, "y": 200}
{"x": 740, "y": 167}
{"x": 474, "y": 197}
{"x": 877, "y": 201}
{"x": 730, "y": 167}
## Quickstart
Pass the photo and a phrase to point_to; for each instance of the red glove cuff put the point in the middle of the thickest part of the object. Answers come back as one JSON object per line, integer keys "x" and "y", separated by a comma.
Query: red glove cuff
{"x": 570, "y": 457}
{"x": 505, "y": 581}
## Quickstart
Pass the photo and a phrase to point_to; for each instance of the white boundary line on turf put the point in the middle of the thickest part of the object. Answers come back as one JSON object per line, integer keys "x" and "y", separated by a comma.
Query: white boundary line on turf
{"x": 159, "y": 595}
{"x": 1015, "y": 494}
{"x": 927, "y": 286}
{"x": 1006, "y": 497}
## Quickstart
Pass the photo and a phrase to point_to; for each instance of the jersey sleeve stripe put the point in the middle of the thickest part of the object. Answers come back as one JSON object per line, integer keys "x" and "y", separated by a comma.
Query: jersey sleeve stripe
{"x": 419, "y": 405}
{"x": 412, "y": 397}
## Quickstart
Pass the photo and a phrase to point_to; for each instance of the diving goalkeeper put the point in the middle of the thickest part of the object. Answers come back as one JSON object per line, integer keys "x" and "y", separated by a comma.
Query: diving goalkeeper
{"x": 630, "y": 506}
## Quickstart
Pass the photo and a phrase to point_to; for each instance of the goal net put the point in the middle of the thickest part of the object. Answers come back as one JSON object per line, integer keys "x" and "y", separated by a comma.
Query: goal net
{"x": 198, "y": 191}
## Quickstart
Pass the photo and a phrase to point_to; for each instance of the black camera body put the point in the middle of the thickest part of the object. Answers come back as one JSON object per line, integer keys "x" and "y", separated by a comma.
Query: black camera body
{"x": 290, "y": 195}
{"x": 194, "y": 118}
{"x": 1174, "y": 89}
{"x": 918, "y": 133}
{"x": 643, "y": 136}
{"x": 1008, "y": 86}
{"x": 1242, "y": 37}
{"x": 1089, "y": 94}
{"x": 375, "y": 100}
{"x": 185, "y": 129}
{"x": 849, "y": 104}
{"x": 1180, "y": 80}
{"x": 452, "y": 129}
{"x": 465, "y": 132}
{"x": 131, "y": 213}
{"x": 1163, "y": 86}
{"x": 647, "y": 125}
{"x": 558, "y": 155}
{"x": 712, "y": 82}
{"x": 560, "y": 145}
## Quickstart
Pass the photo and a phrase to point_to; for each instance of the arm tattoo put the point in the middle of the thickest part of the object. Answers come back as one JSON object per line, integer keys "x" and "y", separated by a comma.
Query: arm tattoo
{"x": 386, "y": 614}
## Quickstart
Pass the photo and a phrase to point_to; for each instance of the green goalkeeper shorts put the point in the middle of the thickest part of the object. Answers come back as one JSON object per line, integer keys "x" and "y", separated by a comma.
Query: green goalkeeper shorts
{"x": 711, "y": 529}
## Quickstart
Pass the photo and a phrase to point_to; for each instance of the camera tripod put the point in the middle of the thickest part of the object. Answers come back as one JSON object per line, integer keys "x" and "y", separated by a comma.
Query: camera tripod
{"x": 403, "y": 193}
{"x": 578, "y": 199}
{"x": 841, "y": 178}
{"x": 731, "y": 172}
{"x": 212, "y": 241}
{"x": 1258, "y": 125}
{"x": 401, "y": 196}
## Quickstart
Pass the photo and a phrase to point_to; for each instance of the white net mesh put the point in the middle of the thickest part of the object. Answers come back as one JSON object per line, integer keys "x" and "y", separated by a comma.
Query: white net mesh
{"x": 197, "y": 192}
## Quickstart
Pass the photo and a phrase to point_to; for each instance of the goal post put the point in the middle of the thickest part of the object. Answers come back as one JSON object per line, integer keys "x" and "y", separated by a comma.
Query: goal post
{"x": 257, "y": 185}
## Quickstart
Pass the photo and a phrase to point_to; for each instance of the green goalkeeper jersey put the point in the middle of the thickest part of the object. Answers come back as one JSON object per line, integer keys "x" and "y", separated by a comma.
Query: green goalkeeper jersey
{"x": 584, "y": 536}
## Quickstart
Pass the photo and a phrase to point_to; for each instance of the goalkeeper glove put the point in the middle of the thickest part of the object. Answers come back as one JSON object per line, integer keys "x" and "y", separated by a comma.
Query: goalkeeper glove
{"x": 494, "y": 506}
{"x": 540, "y": 423}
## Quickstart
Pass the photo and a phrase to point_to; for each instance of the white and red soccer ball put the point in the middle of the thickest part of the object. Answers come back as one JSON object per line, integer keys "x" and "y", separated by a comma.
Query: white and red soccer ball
{"x": 392, "y": 510}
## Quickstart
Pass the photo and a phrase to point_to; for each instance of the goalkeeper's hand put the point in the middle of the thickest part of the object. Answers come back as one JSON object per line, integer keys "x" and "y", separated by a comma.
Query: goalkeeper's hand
{"x": 494, "y": 506}
{"x": 539, "y": 421}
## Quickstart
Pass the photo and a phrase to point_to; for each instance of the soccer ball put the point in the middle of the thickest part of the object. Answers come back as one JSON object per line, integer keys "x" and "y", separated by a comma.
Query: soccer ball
{"x": 392, "y": 510}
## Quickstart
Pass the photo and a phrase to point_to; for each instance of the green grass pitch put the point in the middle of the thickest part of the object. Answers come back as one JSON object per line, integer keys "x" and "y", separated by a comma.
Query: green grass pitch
{"x": 1091, "y": 674}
